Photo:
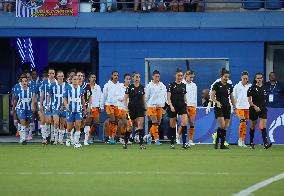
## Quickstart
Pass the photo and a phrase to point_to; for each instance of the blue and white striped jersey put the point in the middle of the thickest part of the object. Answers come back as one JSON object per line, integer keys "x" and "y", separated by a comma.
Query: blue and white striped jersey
{"x": 45, "y": 87}
{"x": 74, "y": 97}
{"x": 56, "y": 93}
{"x": 24, "y": 98}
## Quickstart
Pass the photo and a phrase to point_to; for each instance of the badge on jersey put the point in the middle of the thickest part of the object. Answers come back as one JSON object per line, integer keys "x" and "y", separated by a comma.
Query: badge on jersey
{"x": 270, "y": 98}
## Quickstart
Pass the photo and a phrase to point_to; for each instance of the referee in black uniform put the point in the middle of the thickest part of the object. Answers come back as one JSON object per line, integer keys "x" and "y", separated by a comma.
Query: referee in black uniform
{"x": 136, "y": 95}
{"x": 221, "y": 94}
{"x": 257, "y": 98}
{"x": 177, "y": 106}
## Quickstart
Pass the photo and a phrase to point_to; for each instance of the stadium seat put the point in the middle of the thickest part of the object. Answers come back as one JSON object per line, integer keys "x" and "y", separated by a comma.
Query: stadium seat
{"x": 252, "y": 4}
{"x": 273, "y": 4}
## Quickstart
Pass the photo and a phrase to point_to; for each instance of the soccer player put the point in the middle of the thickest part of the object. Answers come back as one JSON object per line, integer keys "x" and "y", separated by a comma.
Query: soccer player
{"x": 25, "y": 106}
{"x": 32, "y": 84}
{"x": 110, "y": 100}
{"x": 74, "y": 103}
{"x": 15, "y": 89}
{"x": 96, "y": 104}
{"x": 56, "y": 93}
{"x": 155, "y": 97}
{"x": 191, "y": 97}
{"x": 177, "y": 106}
{"x": 135, "y": 101}
{"x": 46, "y": 119}
{"x": 257, "y": 100}
{"x": 88, "y": 100}
{"x": 222, "y": 93}
{"x": 123, "y": 110}
{"x": 242, "y": 106}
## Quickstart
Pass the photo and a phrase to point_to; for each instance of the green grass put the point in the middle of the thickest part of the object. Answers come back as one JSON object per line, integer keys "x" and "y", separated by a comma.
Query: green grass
{"x": 109, "y": 170}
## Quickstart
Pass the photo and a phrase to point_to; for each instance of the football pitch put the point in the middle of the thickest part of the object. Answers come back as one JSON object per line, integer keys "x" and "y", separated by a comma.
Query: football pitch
{"x": 103, "y": 169}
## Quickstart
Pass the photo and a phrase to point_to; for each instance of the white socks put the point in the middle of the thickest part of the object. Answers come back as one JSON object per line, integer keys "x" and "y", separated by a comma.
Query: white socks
{"x": 77, "y": 137}
{"x": 55, "y": 135}
{"x": 43, "y": 131}
{"x": 22, "y": 133}
{"x": 61, "y": 135}
{"x": 87, "y": 132}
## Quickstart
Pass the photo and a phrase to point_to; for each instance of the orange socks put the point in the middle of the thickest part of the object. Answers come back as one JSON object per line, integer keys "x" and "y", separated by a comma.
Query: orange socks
{"x": 191, "y": 132}
{"x": 242, "y": 130}
{"x": 156, "y": 132}
{"x": 113, "y": 129}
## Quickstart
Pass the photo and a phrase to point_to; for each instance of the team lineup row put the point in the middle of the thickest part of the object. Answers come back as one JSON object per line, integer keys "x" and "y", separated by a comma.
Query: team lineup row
{"x": 75, "y": 104}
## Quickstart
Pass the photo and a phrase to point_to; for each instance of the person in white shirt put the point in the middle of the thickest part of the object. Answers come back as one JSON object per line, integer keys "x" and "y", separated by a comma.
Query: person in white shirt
{"x": 242, "y": 105}
{"x": 124, "y": 127}
{"x": 191, "y": 97}
{"x": 93, "y": 120}
{"x": 110, "y": 100}
{"x": 155, "y": 97}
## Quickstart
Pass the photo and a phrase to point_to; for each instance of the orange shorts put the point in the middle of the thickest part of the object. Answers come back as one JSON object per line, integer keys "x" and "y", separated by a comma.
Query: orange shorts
{"x": 155, "y": 111}
{"x": 95, "y": 113}
{"x": 122, "y": 113}
{"x": 191, "y": 110}
{"x": 243, "y": 113}
{"x": 111, "y": 109}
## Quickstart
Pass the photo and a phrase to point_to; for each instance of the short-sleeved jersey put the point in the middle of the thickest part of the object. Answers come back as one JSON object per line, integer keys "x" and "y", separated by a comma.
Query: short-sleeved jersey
{"x": 15, "y": 88}
{"x": 135, "y": 95}
{"x": 223, "y": 92}
{"x": 45, "y": 87}
{"x": 177, "y": 93}
{"x": 74, "y": 97}
{"x": 87, "y": 93}
{"x": 24, "y": 98}
{"x": 32, "y": 85}
{"x": 259, "y": 95}
{"x": 56, "y": 92}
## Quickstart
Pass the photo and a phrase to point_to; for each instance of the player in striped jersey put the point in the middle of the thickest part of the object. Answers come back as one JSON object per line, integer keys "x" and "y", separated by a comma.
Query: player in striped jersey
{"x": 32, "y": 85}
{"x": 44, "y": 107}
{"x": 85, "y": 126}
{"x": 15, "y": 88}
{"x": 37, "y": 94}
{"x": 56, "y": 93}
{"x": 25, "y": 106}
{"x": 74, "y": 103}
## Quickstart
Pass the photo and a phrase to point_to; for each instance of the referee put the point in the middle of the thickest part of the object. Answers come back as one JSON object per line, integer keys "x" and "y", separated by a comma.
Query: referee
{"x": 257, "y": 100}
{"x": 221, "y": 94}
{"x": 136, "y": 95}
{"x": 177, "y": 106}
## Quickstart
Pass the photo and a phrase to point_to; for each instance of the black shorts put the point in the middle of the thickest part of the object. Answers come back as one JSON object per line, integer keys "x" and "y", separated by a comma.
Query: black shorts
{"x": 136, "y": 112}
{"x": 224, "y": 111}
{"x": 253, "y": 115}
{"x": 179, "y": 110}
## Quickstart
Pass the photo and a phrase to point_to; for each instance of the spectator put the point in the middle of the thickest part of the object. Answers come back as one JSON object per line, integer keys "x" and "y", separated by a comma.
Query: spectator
{"x": 108, "y": 5}
{"x": 177, "y": 5}
{"x": 205, "y": 97}
{"x": 275, "y": 92}
{"x": 8, "y": 6}
{"x": 35, "y": 77}
{"x": 194, "y": 6}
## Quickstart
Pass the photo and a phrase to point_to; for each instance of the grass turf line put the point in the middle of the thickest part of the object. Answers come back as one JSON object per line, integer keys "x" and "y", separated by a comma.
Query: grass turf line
{"x": 108, "y": 170}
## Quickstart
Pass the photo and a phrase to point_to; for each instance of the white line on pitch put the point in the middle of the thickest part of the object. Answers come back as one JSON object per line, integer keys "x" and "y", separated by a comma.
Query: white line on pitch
{"x": 260, "y": 185}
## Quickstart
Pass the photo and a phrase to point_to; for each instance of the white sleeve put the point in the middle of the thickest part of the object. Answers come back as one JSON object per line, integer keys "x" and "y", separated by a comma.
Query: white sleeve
{"x": 147, "y": 93}
{"x": 105, "y": 92}
{"x": 101, "y": 98}
{"x": 195, "y": 93}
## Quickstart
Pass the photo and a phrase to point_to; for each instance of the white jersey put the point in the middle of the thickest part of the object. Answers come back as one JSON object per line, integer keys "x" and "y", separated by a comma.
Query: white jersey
{"x": 191, "y": 94}
{"x": 155, "y": 94}
{"x": 110, "y": 93}
{"x": 240, "y": 95}
{"x": 121, "y": 95}
{"x": 97, "y": 96}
